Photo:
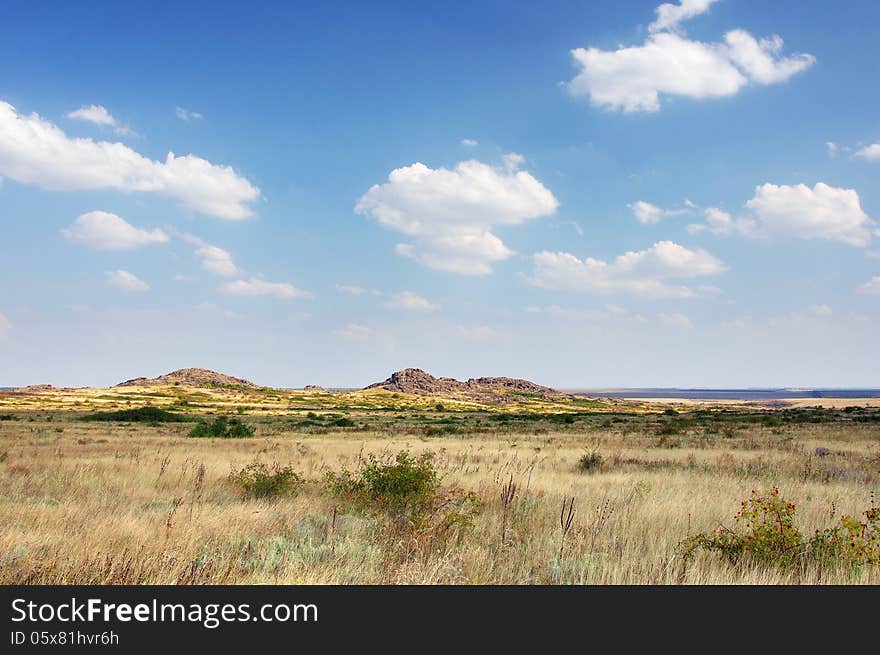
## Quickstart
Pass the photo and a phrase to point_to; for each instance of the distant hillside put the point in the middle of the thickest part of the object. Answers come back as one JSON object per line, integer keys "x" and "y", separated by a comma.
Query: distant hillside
{"x": 191, "y": 377}
{"x": 417, "y": 381}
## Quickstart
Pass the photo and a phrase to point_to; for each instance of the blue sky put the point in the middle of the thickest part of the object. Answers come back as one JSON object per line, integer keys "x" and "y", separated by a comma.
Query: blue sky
{"x": 584, "y": 194}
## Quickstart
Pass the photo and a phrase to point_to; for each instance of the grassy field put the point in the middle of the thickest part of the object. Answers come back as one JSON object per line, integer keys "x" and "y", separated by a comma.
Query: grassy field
{"x": 140, "y": 502}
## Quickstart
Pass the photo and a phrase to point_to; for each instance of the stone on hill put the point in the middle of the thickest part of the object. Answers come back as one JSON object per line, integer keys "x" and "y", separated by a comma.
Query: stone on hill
{"x": 417, "y": 381}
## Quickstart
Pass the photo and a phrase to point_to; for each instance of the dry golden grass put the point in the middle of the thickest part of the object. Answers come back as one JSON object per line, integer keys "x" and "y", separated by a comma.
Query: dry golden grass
{"x": 113, "y": 503}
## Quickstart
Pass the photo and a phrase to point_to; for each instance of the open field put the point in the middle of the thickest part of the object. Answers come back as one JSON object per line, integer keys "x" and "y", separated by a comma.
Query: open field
{"x": 139, "y": 502}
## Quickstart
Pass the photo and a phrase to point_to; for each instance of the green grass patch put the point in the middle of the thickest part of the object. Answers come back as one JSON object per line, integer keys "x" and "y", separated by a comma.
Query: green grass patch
{"x": 138, "y": 415}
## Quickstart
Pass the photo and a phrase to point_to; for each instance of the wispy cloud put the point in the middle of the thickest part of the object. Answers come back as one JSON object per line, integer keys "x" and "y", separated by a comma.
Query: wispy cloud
{"x": 409, "y": 301}
{"x": 126, "y": 281}
{"x": 186, "y": 115}
{"x": 99, "y": 115}
{"x": 255, "y": 286}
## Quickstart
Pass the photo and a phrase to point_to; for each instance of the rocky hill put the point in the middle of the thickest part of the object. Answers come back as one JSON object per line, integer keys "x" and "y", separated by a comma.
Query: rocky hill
{"x": 417, "y": 381}
{"x": 190, "y": 377}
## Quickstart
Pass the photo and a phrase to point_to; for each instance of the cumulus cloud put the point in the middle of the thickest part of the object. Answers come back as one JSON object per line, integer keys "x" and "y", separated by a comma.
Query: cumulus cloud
{"x": 469, "y": 142}
{"x": 820, "y": 212}
{"x": 761, "y": 60}
{"x": 870, "y": 153}
{"x": 633, "y": 78}
{"x": 107, "y": 231}
{"x": 409, "y": 301}
{"x": 126, "y": 281}
{"x": 821, "y": 310}
{"x": 449, "y": 214}
{"x": 644, "y": 272}
{"x": 670, "y": 15}
{"x": 872, "y": 287}
{"x": 99, "y": 115}
{"x": 255, "y": 286}
{"x": 823, "y": 212}
{"x": 353, "y": 331}
{"x": 35, "y": 151}
{"x": 5, "y": 326}
{"x": 186, "y": 115}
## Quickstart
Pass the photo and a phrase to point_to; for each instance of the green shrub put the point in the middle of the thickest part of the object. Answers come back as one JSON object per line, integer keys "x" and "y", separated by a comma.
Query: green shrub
{"x": 343, "y": 422}
{"x": 260, "y": 481}
{"x": 590, "y": 462}
{"x": 221, "y": 428}
{"x": 406, "y": 488}
{"x": 769, "y": 536}
{"x": 146, "y": 414}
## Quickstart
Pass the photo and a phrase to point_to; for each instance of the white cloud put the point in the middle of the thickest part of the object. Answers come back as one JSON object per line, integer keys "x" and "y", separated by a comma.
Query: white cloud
{"x": 186, "y": 115}
{"x": 99, "y": 115}
{"x": 96, "y": 114}
{"x": 5, "y": 326}
{"x": 648, "y": 214}
{"x": 450, "y": 213}
{"x": 831, "y": 147}
{"x": 469, "y": 142}
{"x": 821, "y": 212}
{"x": 721, "y": 222}
{"x": 353, "y": 331}
{"x": 107, "y": 231}
{"x": 407, "y": 300}
{"x": 676, "y": 320}
{"x": 821, "y": 310}
{"x": 126, "y": 281}
{"x": 217, "y": 260}
{"x": 255, "y": 286}
{"x": 872, "y": 287}
{"x": 760, "y": 60}
{"x": 35, "y": 151}
{"x": 642, "y": 273}
{"x": 670, "y": 15}
{"x": 632, "y": 78}
{"x": 214, "y": 259}
{"x": 870, "y": 153}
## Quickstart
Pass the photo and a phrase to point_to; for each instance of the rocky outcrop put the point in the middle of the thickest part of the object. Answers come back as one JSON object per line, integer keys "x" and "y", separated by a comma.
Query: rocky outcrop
{"x": 191, "y": 377}
{"x": 38, "y": 388}
{"x": 417, "y": 381}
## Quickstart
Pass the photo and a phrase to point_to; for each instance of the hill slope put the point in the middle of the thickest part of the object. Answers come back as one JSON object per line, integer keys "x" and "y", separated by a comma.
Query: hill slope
{"x": 417, "y": 381}
{"x": 190, "y": 377}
